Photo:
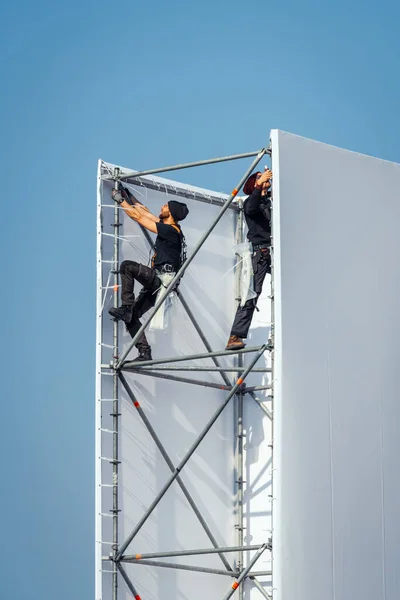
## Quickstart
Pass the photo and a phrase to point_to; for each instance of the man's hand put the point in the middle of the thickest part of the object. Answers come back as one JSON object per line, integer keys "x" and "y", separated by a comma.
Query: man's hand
{"x": 117, "y": 196}
{"x": 265, "y": 177}
{"x": 264, "y": 181}
{"x": 131, "y": 211}
{"x": 130, "y": 198}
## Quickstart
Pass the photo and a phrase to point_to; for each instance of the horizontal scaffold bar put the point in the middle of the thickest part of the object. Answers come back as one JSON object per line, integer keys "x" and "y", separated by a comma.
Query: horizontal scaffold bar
{"x": 210, "y": 384}
{"x": 160, "y": 361}
{"x": 256, "y": 388}
{"x": 193, "y": 368}
{"x": 136, "y": 557}
{"x": 158, "y": 563}
{"x": 187, "y": 193}
{"x": 198, "y": 163}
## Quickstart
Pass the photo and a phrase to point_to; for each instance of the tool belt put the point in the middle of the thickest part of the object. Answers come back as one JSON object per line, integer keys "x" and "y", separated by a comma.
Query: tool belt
{"x": 166, "y": 268}
{"x": 256, "y": 247}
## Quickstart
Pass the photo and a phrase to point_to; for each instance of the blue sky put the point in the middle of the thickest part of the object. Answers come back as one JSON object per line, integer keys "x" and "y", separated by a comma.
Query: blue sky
{"x": 142, "y": 85}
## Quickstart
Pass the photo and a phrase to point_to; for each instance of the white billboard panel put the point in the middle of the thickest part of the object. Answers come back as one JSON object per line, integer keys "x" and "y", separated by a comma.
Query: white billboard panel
{"x": 178, "y": 412}
{"x": 337, "y": 290}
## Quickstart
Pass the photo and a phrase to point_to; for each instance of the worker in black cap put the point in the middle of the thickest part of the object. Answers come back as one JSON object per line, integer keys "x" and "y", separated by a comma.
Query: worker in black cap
{"x": 256, "y": 210}
{"x": 168, "y": 256}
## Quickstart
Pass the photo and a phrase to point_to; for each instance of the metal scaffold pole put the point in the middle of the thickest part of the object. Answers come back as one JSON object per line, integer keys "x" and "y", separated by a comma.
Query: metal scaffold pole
{"x": 238, "y": 415}
{"x": 163, "y": 361}
{"x": 151, "y": 555}
{"x": 115, "y": 415}
{"x": 128, "y": 582}
{"x": 272, "y": 352}
{"x": 243, "y": 574}
{"x": 198, "y": 163}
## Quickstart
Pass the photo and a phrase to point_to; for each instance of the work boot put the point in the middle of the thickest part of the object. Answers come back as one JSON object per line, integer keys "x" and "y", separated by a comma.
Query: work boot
{"x": 124, "y": 313}
{"x": 235, "y": 343}
{"x": 144, "y": 353}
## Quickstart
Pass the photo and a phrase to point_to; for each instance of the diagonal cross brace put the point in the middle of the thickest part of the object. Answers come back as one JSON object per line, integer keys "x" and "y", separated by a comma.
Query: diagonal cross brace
{"x": 260, "y": 588}
{"x": 128, "y": 582}
{"x": 184, "y": 567}
{"x": 190, "y": 452}
{"x": 201, "y": 334}
{"x": 185, "y": 265}
{"x": 170, "y": 464}
{"x": 245, "y": 571}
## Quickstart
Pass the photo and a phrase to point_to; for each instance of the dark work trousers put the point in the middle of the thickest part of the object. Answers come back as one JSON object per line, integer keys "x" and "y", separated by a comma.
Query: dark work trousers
{"x": 131, "y": 271}
{"x": 261, "y": 260}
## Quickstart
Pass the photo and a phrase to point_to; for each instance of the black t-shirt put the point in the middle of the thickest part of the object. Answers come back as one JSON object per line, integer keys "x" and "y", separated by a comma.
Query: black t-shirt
{"x": 168, "y": 245}
{"x": 256, "y": 211}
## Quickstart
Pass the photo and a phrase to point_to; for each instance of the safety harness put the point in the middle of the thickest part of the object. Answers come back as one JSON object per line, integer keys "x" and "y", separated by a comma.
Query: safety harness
{"x": 167, "y": 268}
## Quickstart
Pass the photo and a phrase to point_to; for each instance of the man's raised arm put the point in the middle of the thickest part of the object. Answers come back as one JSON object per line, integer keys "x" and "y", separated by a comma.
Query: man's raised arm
{"x": 135, "y": 209}
{"x": 141, "y": 216}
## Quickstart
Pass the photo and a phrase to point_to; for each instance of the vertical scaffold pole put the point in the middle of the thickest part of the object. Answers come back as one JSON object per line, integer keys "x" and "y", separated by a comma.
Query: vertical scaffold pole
{"x": 238, "y": 425}
{"x": 272, "y": 352}
{"x": 115, "y": 411}
{"x": 99, "y": 386}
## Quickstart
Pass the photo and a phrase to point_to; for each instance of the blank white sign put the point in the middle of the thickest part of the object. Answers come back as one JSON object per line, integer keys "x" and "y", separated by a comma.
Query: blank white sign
{"x": 337, "y": 460}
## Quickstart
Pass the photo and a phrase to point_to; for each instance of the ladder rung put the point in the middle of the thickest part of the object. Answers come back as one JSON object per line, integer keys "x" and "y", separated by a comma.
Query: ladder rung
{"x": 106, "y": 543}
{"x": 110, "y": 460}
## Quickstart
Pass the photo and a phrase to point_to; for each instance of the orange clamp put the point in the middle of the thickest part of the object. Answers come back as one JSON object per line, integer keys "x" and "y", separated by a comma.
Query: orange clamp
{"x": 239, "y": 381}
{"x": 235, "y": 192}
{"x": 235, "y": 585}
{"x": 138, "y": 556}
{"x": 115, "y": 288}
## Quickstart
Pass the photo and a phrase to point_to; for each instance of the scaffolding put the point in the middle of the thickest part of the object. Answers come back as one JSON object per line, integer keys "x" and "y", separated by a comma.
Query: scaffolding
{"x": 233, "y": 384}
